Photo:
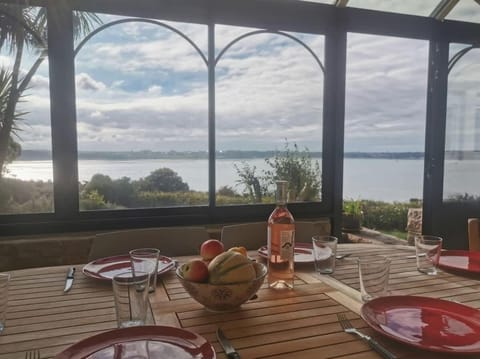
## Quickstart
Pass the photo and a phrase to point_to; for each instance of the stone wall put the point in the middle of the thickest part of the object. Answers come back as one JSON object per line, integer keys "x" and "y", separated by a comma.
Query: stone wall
{"x": 27, "y": 252}
{"x": 414, "y": 224}
{"x": 17, "y": 252}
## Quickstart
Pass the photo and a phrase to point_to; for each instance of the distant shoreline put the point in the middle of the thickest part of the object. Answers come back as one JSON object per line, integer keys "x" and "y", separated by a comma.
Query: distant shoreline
{"x": 41, "y": 155}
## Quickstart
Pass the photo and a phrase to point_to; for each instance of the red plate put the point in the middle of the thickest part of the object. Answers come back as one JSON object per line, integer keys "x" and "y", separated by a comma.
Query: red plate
{"x": 303, "y": 253}
{"x": 426, "y": 323}
{"x": 145, "y": 342}
{"x": 463, "y": 261}
{"x": 107, "y": 268}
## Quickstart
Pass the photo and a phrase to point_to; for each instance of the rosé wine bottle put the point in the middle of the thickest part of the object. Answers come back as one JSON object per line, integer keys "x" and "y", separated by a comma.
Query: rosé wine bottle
{"x": 281, "y": 241}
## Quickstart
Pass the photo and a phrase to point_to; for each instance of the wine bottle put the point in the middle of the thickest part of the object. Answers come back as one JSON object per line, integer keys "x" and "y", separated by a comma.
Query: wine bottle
{"x": 281, "y": 241}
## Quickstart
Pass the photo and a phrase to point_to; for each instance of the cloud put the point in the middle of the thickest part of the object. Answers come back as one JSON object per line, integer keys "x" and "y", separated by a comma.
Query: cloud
{"x": 141, "y": 86}
{"x": 40, "y": 81}
{"x": 86, "y": 82}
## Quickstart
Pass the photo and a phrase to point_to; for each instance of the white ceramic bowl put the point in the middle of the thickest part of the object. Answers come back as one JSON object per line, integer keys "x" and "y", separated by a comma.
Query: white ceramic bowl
{"x": 224, "y": 297}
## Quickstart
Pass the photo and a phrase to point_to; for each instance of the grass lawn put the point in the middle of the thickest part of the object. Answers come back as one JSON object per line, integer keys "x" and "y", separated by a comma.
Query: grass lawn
{"x": 398, "y": 234}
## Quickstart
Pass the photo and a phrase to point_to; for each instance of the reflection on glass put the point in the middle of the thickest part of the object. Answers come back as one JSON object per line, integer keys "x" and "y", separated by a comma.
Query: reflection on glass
{"x": 25, "y": 163}
{"x": 386, "y": 86}
{"x": 269, "y": 91}
{"x": 409, "y": 7}
{"x": 462, "y": 145}
{"x": 142, "y": 117}
{"x": 465, "y": 10}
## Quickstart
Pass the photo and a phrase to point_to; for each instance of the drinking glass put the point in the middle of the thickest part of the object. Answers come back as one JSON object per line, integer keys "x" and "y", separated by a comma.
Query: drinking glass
{"x": 324, "y": 252}
{"x": 427, "y": 250}
{"x": 130, "y": 290}
{"x": 146, "y": 260}
{"x": 4, "y": 282}
{"x": 373, "y": 272}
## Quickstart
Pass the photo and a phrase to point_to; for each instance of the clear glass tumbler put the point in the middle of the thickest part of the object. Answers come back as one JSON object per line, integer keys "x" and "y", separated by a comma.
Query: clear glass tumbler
{"x": 427, "y": 250}
{"x": 373, "y": 272}
{"x": 146, "y": 260}
{"x": 4, "y": 282}
{"x": 130, "y": 290}
{"x": 324, "y": 252}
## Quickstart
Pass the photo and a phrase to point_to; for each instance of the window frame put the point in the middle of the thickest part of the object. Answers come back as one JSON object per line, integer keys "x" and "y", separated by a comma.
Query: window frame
{"x": 315, "y": 18}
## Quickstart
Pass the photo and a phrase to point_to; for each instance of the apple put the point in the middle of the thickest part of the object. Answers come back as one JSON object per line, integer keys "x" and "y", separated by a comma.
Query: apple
{"x": 210, "y": 249}
{"x": 195, "y": 270}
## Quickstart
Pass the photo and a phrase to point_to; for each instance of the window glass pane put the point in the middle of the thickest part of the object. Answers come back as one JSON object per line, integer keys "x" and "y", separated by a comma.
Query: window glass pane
{"x": 142, "y": 115}
{"x": 465, "y": 10}
{"x": 386, "y": 89}
{"x": 462, "y": 142}
{"x": 26, "y": 165}
{"x": 269, "y": 93}
{"x": 410, "y": 7}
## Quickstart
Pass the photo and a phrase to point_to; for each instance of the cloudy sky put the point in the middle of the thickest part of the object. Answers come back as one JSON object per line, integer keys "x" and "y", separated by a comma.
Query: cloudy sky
{"x": 143, "y": 87}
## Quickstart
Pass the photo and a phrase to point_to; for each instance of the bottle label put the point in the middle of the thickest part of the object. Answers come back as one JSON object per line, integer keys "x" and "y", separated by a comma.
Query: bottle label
{"x": 286, "y": 244}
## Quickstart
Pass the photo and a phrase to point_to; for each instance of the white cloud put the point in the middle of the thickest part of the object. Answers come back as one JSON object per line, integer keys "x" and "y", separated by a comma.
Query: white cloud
{"x": 140, "y": 86}
{"x": 86, "y": 82}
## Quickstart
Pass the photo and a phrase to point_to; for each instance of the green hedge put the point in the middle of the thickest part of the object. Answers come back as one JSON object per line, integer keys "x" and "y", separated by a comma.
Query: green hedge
{"x": 386, "y": 216}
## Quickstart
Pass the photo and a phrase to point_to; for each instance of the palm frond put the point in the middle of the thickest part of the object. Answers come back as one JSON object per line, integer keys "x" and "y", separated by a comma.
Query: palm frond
{"x": 18, "y": 24}
{"x": 5, "y": 88}
{"x": 84, "y": 22}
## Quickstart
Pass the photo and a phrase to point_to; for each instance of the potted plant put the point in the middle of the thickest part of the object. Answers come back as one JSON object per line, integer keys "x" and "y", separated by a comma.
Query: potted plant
{"x": 352, "y": 215}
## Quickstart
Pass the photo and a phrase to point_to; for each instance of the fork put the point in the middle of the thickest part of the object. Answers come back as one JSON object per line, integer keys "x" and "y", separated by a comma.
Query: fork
{"x": 32, "y": 354}
{"x": 341, "y": 256}
{"x": 348, "y": 328}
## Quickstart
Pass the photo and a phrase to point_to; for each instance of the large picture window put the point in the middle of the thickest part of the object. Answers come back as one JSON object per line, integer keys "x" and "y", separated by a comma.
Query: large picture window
{"x": 142, "y": 114}
{"x": 26, "y": 179}
{"x": 269, "y": 95}
{"x": 161, "y": 113}
{"x": 462, "y": 148}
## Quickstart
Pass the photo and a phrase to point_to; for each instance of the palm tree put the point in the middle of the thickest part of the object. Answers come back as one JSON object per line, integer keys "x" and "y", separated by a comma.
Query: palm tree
{"x": 13, "y": 147}
{"x": 24, "y": 27}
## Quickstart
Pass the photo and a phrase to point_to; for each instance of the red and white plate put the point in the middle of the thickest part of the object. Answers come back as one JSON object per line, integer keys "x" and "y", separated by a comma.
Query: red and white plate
{"x": 426, "y": 323}
{"x": 462, "y": 261}
{"x": 303, "y": 253}
{"x": 141, "y": 342}
{"x": 107, "y": 268}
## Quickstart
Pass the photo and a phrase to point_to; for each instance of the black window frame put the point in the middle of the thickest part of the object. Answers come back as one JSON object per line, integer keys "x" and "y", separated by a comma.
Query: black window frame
{"x": 281, "y": 15}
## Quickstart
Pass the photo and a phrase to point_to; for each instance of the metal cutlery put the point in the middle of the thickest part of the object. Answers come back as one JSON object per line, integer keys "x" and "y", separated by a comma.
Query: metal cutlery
{"x": 341, "y": 256}
{"x": 226, "y": 345}
{"x": 69, "y": 279}
{"x": 32, "y": 354}
{"x": 348, "y": 328}
{"x": 415, "y": 256}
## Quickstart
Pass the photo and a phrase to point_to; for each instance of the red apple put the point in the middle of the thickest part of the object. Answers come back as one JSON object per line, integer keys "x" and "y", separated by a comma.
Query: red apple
{"x": 210, "y": 249}
{"x": 195, "y": 270}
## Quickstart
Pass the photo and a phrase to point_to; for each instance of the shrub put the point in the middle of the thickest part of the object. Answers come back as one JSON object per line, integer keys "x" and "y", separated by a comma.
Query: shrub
{"x": 164, "y": 180}
{"x": 295, "y": 166}
{"x": 386, "y": 216}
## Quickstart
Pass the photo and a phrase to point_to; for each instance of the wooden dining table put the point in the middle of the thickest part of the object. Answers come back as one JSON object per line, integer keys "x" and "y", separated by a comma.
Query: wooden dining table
{"x": 299, "y": 323}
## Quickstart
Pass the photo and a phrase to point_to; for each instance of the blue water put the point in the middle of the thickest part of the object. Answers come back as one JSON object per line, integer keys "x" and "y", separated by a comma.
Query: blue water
{"x": 377, "y": 179}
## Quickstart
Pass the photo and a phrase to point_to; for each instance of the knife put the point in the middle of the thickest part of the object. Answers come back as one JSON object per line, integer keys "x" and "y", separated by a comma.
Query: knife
{"x": 225, "y": 343}
{"x": 69, "y": 280}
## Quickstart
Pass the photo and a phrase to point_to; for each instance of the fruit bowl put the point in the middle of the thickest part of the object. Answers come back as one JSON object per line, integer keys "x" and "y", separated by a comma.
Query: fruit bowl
{"x": 224, "y": 297}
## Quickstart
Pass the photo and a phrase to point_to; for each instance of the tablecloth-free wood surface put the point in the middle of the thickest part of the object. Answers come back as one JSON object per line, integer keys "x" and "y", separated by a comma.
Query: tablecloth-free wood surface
{"x": 278, "y": 324}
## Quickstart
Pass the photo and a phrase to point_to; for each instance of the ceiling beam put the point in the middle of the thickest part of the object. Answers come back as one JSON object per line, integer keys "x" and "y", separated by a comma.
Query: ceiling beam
{"x": 443, "y": 9}
{"x": 341, "y": 3}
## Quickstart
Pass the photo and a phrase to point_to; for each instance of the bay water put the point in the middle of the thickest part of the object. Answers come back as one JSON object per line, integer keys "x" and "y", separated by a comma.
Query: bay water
{"x": 377, "y": 179}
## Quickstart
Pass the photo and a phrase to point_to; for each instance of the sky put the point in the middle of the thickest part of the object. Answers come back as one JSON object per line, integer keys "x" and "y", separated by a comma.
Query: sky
{"x": 143, "y": 87}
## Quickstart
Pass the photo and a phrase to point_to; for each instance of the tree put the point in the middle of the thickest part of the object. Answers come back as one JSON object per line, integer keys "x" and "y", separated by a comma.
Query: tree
{"x": 251, "y": 181}
{"x": 102, "y": 185}
{"x": 13, "y": 148}
{"x": 295, "y": 166}
{"x": 298, "y": 168}
{"x": 22, "y": 27}
{"x": 163, "y": 180}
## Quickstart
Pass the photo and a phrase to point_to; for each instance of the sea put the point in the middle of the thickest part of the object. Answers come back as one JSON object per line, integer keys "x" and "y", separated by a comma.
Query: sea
{"x": 386, "y": 180}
